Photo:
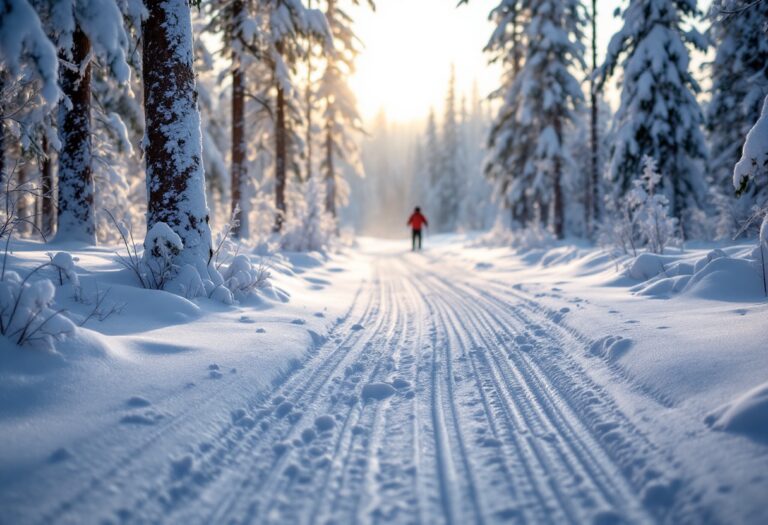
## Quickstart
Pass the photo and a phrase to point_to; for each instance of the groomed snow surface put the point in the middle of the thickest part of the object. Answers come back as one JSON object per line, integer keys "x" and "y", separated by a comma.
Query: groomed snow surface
{"x": 463, "y": 384}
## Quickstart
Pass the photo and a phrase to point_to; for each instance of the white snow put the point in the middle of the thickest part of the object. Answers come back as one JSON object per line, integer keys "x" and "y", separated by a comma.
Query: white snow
{"x": 468, "y": 382}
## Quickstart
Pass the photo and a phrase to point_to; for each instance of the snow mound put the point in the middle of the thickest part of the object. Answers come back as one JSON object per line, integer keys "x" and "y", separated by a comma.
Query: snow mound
{"x": 716, "y": 276}
{"x": 611, "y": 347}
{"x": 747, "y": 414}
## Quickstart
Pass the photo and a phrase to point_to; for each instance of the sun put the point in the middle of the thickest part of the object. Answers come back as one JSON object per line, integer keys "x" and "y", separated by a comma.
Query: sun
{"x": 409, "y": 49}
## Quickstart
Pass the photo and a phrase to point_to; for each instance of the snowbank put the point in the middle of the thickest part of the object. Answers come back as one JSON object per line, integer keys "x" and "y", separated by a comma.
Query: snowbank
{"x": 747, "y": 414}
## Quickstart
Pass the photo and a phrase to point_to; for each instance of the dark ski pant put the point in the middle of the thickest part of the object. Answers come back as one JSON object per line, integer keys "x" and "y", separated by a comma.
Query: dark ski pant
{"x": 415, "y": 235}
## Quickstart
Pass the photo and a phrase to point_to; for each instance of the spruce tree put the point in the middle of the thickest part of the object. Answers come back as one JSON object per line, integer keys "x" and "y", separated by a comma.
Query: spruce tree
{"x": 659, "y": 115}
{"x": 528, "y": 157}
{"x": 739, "y": 85}
{"x": 341, "y": 118}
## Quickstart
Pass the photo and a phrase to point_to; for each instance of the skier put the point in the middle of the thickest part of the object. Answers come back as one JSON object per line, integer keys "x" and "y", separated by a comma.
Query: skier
{"x": 416, "y": 221}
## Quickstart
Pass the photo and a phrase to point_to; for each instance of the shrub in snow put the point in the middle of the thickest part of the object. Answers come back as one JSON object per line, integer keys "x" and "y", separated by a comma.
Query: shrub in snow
{"x": 27, "y": 315}
{"x": 641, "y": 218}
{"x": 64, "y": 264}
{"x": 655, "y": 225}
{"x": 242, "y": 278}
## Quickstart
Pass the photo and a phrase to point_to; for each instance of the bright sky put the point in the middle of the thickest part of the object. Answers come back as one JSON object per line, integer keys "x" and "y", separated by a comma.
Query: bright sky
{"x": 410, "y": 45}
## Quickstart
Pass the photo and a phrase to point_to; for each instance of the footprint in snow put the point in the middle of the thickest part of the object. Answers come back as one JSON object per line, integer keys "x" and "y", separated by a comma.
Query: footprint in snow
{"x": 59, "y": 455}
{"x": 298, "y": 321}
{"x": 181, "y": 467}
{"x": 356, "y": 327}
{"x": 138, "y": 402}
{"x": 324, "y": 423}
{"x": 147, "y": 418}
{"x": 246, "y": 319}
{"x": 319, "y": 314}
{"x": 377, "y": 391}
{"x": 261, "y": 331}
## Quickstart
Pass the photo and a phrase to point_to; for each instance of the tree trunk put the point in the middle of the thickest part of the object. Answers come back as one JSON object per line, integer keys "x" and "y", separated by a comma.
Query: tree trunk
{"x": 76, "y": 221}
{"x": 22, "y": 200}
{"x": 308, "y": 95}
{"x": 238, "y": 138}
{"x": 558, "y": 216}
{"x": 47, "y": 209}
{"x": 593, "y": 183}
{"x": 330, "y": 175}
{"x": 280, "y": 160}
{"x": 175, "y": 175}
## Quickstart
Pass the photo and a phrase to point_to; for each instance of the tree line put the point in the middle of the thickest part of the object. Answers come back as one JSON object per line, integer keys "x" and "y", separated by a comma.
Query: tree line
{"x": 551, "y": 112}
{"x": 114, "y": 110}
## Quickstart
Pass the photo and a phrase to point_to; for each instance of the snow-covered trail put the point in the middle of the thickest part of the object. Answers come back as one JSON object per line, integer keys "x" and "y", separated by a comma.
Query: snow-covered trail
{"x": 439, "y": 398}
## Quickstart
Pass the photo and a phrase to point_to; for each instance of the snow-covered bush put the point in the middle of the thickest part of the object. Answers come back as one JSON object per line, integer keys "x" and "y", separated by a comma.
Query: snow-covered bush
{"x": 243, "y": 278}
{"x": 656, "y": 227}
{"x": 641, "y": 218}
{"x": 27, "y": 314}
{"x": 64, "y": 264}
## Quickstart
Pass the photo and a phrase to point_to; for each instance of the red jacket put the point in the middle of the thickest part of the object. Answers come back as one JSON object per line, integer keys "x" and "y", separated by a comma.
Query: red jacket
{"x": 417, "y": 220}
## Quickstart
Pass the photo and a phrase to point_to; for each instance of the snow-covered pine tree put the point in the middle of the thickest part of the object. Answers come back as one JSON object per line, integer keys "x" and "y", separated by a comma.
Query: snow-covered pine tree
{"x": 527, "y": 140}
{"x": 448, "y": 186}
{"x": 342, "y": 120}
{"x": 431, "y": 162}
{"x": 505, "y": 47}
{"x": 25, "y": 48}
{"x": 739, "y": 85}
{"x": 76, "y": 217}
{"x": 234, "y": 21}
{"x": 751, "y": 172}
{"x": 173, "y": 146}
{"x": 659, "y": 115}
{"x": 82, "y": 30}
{"x": 288, "y": 21}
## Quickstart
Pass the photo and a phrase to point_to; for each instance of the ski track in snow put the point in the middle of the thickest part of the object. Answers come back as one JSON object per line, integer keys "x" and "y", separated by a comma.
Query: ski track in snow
{"x": 475, "y": 412}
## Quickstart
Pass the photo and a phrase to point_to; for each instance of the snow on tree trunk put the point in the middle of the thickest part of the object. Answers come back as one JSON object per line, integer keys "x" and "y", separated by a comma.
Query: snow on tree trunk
{"x": 238, "y": 144}
{"x": 47, "y": 209}
{"x": 281, "y": 153}
{"x": 76, "y": 221}
{"x": 173, "y": 140}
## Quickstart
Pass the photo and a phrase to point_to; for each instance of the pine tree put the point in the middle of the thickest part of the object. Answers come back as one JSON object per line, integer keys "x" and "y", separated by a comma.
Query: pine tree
{"x": 288, "y": 22}
{"x": 448, "y": 184}
{"x": 528, "y": 157}
{"x": 432, "y": 164}
{"x": 76, "y": 217}
{"x": 739, "y": 85}
{"x": 505, "y": 47}
{"x": 175, "y": 177}
{"x": 659, "y": 115}
{"x": 593, "y": 181}
{"x": 341, "y": 117}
